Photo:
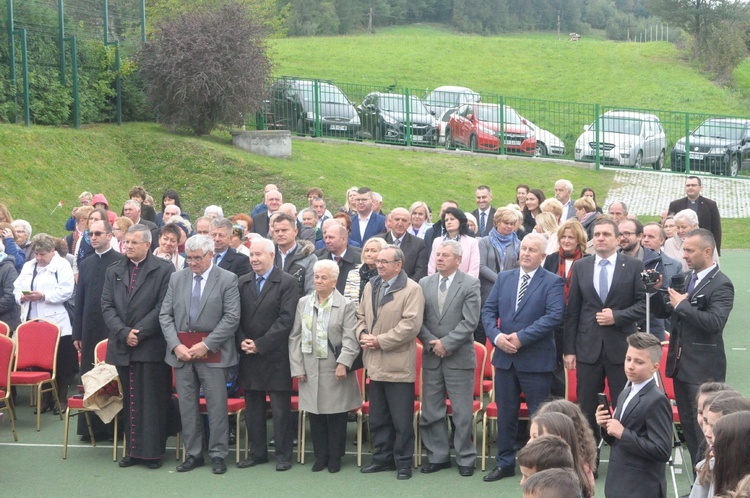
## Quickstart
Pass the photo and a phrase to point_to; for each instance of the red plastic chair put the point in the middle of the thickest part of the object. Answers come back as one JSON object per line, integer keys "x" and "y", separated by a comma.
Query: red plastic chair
{"x": 36, "y": 348}
{"x": 487, "y": 383}
{"x": 4, "y": 329}
{"x": 7, "y": 351}
{"x": 667, "y": 385}
{"x": 76, "y": 403}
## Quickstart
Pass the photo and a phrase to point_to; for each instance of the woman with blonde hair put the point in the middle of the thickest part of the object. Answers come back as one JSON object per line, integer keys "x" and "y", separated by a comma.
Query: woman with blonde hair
{"x": 349, "y": 207}
{"x": 546, "y": 224}
{"x": 119, "y": 227}
{"x": 360, "y": 275}
{"x": 419, "y": 214}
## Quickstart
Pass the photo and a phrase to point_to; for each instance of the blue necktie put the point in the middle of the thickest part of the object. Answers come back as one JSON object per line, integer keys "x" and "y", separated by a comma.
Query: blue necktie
{"x": 693, "y": 281}
{"x": 259, "y": 283}
{"x": 482, "y": 224}
{"x": 603, "y": 280}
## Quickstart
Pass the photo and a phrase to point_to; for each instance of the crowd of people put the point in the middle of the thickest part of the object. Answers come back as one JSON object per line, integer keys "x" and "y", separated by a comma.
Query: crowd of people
{"x": 282, "y": 300}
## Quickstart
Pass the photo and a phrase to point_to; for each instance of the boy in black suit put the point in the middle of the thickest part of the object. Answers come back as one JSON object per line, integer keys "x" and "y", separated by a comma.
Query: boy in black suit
{"x": 640, "y": 433}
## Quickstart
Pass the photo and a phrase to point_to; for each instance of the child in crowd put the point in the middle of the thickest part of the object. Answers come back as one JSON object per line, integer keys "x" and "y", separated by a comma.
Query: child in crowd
{"x": 715, "y": 406}
{"x": 731, "y": 450}
{"x": 640, "y": 432}
{"x": 542, "y": 453}
{"x": 552, "y": 483}
{"x": 562, "y": 426}
{"x": 586, "y": 442}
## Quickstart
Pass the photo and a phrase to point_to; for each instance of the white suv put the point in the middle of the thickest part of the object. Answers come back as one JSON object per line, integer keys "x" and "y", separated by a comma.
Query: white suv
{"x": 626, "y": 138}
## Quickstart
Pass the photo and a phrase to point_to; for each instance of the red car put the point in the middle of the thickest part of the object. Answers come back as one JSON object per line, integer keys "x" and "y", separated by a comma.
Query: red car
{"x": 477, "y": 127}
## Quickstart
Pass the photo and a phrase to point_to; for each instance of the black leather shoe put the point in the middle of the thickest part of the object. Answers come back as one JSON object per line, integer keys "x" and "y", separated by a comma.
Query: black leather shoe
{"x": 404, "y": 474}
{"x": 154, "y": 464}
{"x": 334, "y": 465}
{"x": 282, "y": 466}
{"x": 128, "y": 461}
{"x": 465, "y": 471}
{"x": 86, "y": 438}
{"x": 191, "y": 463}
{"x": 376, "y": 467}
{"x": 434, "y": 467}
{"x": 319, "y": 465}
{"x": 251, "y": 462}
{"x": 498, "y": 473}
{"x": 219, "y": 467}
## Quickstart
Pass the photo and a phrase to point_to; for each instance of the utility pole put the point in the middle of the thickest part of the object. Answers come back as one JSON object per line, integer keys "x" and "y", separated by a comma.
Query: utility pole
{"x": 369, "y": 22}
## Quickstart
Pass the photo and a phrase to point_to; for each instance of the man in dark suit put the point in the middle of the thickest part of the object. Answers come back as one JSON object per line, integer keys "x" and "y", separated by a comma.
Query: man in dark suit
{"x": 366, "y": 223}
{"x": 337, "y": 249}
{"x": 520, "y": 316}
{"x": 88, "y": 322}
{"x": 199, "y": 317}
{"x": 261, "y": 223}
{"x": 696, "y": 346}
{"x": 606, "y": 300}
{"x": 134, "y": 288}
{"x": 224, "y": 256}
{"x": 132, "y": 210}
{"x": 640, "y": 430}
{"x": 563, "y": 191}
{"x": 484, "y": 213}
{"x": 706, "y": 209}
{"x": 268, "y": 300}
{"x": 451, "y": 313}
{"x": 411, "y": 246}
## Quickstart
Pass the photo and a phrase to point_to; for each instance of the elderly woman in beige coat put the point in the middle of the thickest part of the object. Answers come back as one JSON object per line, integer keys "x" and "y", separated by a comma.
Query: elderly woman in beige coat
{"x": 327, "y": 389}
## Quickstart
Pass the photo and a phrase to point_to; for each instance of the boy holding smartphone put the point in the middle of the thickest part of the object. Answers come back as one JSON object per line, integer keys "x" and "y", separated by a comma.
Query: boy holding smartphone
{"x": 640, "y": 432}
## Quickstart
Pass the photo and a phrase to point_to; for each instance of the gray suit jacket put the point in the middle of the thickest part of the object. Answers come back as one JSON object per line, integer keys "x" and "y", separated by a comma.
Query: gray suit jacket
{"x": 219, "y": 314}
{"x": 455, "y": 326}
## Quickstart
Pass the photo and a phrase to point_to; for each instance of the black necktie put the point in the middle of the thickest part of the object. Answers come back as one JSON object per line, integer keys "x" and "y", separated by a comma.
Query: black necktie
{"x": 259, "y": 283}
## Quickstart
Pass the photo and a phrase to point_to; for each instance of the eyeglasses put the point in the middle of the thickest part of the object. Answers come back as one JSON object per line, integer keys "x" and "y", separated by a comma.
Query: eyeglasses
{"x": 195, "y": 259}
{"x": 135, "y": 242}
{"x": 97, "y": 234}
{"x": 626, "y": 234}
{"x": 383, "y": 261}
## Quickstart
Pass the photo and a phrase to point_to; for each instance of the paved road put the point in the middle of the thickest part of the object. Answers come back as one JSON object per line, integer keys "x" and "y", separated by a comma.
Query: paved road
{"x": 649, "y": 193}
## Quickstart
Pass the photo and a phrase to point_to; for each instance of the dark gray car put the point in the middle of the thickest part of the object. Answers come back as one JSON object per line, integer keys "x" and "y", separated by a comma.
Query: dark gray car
{"x": 387, "y": 116}
{"x": 719, "y": 145}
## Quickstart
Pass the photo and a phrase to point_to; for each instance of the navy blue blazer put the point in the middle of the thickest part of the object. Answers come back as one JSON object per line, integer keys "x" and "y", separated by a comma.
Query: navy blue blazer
{"x": 539, "y": 314}
{"x": 375, "y": 225}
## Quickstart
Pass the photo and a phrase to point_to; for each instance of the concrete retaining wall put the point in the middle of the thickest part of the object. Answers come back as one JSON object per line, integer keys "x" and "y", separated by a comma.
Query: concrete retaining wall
{"x": 271, "y": 143}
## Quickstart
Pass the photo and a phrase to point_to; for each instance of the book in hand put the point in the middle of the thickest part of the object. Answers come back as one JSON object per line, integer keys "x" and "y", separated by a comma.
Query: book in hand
{"x": 190, "y": 339}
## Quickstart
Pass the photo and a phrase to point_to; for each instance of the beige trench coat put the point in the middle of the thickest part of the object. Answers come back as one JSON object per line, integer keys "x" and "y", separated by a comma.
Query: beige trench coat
{"x": 322, "y": 393}
{"x": 396, "y": 324}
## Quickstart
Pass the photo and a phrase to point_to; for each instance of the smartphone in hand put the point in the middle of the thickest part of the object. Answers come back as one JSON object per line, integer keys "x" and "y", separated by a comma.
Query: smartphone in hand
{"x": 602, "y": 400}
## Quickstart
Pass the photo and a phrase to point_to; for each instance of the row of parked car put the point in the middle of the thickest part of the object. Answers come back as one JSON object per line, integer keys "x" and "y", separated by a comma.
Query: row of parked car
{"x": 456, "y": 117}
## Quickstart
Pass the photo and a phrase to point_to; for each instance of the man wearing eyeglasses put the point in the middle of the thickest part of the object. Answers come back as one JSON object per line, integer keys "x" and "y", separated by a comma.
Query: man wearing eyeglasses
{"x": 631, "y": 244}
{"x": 199, "y": 318}
{"x": 134, "y": 289}
{"x": 88, "y": 322}
{"x": 389, "y": 317}
{"x": 366, "y": 223}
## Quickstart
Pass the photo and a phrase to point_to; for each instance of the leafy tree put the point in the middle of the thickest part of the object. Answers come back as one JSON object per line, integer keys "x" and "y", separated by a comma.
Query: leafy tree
{"x": 206, "y": 67}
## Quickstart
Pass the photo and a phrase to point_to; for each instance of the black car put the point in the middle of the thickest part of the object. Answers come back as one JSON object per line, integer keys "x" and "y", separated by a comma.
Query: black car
{"x": 293, "y": 107}
{"x": 719, "y": 145}
{"x": 385, "y": 117}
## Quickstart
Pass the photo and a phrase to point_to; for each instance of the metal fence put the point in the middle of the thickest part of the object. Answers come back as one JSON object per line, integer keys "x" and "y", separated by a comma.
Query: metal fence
{"x": 48, "y": 39}
{"x": 457, "y": 118}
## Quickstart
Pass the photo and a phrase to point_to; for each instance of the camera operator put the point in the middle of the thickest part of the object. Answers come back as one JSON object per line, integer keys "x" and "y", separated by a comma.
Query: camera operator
{"x": 640, "y": 242}
{"x": 699, "y": 312}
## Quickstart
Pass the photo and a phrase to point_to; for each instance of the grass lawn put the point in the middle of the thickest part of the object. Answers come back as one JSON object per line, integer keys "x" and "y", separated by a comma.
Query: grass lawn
{"x": 208, "y": 170}
{"x": 642, "y": 75}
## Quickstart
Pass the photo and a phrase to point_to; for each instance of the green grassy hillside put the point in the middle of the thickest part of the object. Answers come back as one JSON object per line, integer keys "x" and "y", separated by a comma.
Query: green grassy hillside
{"x": 648, "y": 75}
{"x": 42, "y": 166}
{"x": 46, "y": 165}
